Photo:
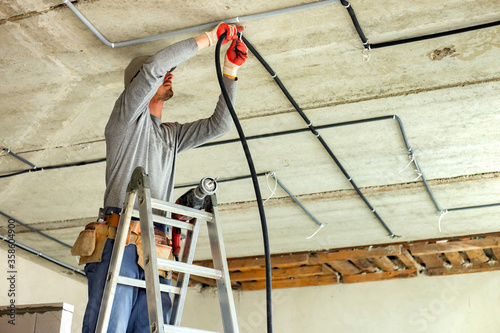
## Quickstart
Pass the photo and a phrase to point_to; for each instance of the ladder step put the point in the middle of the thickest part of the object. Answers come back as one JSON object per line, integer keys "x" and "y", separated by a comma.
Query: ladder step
{"x": 167, "y": 221}
{"x": 178, "y": 329}
{"x": 177, "y": 266}
{"x": 182, "y": 210}
{"x": 142, "y": 284}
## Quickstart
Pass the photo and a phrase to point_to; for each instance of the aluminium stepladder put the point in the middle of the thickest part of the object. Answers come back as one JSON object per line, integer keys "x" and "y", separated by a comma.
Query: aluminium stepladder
{"x": 139, "y": 188}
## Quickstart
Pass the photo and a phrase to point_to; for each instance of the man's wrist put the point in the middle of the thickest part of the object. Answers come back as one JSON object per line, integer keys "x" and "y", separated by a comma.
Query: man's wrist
{"x": 203, "y": 41}
{"x": 229, "y": 77}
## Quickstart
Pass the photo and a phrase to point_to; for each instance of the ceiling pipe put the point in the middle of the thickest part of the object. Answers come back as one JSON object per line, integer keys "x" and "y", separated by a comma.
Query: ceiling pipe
{"x": 40, "y": 254}
{"x": 10, "y": 218}
{"x": 367, "y": 45}
{"x": 313, "y": 130}
{"x": 195, "y": 28}
{"x": 8, "y": 151}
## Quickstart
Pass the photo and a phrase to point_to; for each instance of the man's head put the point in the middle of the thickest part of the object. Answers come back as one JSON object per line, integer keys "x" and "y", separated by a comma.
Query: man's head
{"x": 133, "y": 69}
{"x": 164, "y": 92}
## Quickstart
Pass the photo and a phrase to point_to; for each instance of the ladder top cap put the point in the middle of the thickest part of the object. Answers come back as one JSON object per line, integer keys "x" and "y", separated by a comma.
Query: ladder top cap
{"x": 139, "y": 178}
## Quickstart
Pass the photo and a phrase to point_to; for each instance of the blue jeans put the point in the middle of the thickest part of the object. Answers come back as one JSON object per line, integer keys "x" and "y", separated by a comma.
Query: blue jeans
{"x": 129, "y": 312}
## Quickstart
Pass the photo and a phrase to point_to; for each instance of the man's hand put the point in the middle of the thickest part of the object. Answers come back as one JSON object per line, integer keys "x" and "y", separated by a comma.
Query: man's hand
{"x": 230, "y": 30}
{"x": 236, "y": 56}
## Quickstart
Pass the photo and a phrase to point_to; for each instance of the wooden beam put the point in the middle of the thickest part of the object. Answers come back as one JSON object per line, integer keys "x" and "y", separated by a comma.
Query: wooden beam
{"x": 199, "y": 279}
{"x": 249, "y": 263}
{"x": 474, "y": 268}
{"x": 364, "y": 264}
{"x": 477, "y": 256}
{"x": 408, "y": 273}
{"x": 344, "y": 267}
{"x": 291, "y": 283}
{"x": 260, "y": 274}
{"x": 455, "y": 246}
{"x": 431, "y": 260}
{"x": 407, "y": 259}
{"x": 496, "y": 252}
{"x": 384, "y": 264}
{"x": 455, "y": 258}
{"x": 368, "y": 252}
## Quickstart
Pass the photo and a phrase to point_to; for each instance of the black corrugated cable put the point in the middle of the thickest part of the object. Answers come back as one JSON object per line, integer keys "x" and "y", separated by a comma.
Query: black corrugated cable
{"x": 318, "y": 136}
{"x": 265, "y": 236}
{"x": 354, "y": 19}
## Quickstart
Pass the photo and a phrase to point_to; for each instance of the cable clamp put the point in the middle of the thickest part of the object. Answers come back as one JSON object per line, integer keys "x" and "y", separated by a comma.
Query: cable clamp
{"x": 412, "y": 159}
{"x": 443, "y": 213}
{"x": 273, "y": 191}
{"x": 320, "y": 227}
{"x": 366, "y": 54}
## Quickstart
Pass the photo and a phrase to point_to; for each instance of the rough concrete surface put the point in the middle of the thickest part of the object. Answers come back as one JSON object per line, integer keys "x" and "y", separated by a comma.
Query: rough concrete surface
{"x": 60, "y": 84}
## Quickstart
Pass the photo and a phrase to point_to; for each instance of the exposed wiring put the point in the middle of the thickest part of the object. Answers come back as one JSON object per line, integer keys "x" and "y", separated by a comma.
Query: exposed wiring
{"x": 265, "y": 236}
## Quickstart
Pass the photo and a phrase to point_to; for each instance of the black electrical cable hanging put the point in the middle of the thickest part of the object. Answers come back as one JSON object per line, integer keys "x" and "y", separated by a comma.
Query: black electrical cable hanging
{"x": 267, "y": 253}
{"x": 354, "y": 19}
{"x": 318, "y": 136}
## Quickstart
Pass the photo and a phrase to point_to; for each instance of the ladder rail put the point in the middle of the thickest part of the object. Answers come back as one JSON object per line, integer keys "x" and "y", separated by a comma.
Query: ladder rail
{"x": 139, "y": 189}
{"x": 153, "y": 294}
{"x": 115, "y": 264}
{"x": 167, "y": 221}
{"x": 226, "y": 300}
{"x": 181, "y": 210}
{"x": 183, "y": 278}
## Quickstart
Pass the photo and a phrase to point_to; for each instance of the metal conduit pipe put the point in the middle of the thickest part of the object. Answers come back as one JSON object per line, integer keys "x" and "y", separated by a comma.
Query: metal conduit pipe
{"x": 318, "y": 136}
{"x": 274, "y": 134}
{"x": 367, "y": 45}
{"x": 40, "y": 254}
{"x": 10, "y": 218}
{"x": 354, "y": 19}
{"x": 8, "y": 151}
{"x": 195, "y": 28}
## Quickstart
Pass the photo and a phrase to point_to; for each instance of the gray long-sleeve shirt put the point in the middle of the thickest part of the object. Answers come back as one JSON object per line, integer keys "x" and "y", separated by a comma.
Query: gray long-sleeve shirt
{"x": 134, "y": 137}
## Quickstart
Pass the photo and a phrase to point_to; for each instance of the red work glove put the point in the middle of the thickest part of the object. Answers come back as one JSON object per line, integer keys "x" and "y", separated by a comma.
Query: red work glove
{"x": 230, "y": 29}
{"x": 236, "y": 56}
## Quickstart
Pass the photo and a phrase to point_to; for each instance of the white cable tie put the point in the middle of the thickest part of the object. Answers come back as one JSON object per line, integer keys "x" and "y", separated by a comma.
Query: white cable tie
{"x": 269, "y": 187}
{"x": 393, "y": 116}
{"x": 274, "y": 75}
{"x": 440, "y": 217}
{"x": 419, "y": 175}
{"x": 320, "y": 227}
{"x": 237, "y": 19}
{"x": 348, "y": 5}
{"x": 412, "y": 159}
{"x": 373, "y": 211}
{"x": 350, "y": 178}
{"x": 317, "y": 135}
{"x": 366, "y": 54}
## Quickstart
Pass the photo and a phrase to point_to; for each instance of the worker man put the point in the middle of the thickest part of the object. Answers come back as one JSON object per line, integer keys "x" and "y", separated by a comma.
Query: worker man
{"x": 135, "y": 136}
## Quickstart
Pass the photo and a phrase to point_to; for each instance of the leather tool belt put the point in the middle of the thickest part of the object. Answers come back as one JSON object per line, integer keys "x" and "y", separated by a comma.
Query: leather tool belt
{"x": 90, "y": 242}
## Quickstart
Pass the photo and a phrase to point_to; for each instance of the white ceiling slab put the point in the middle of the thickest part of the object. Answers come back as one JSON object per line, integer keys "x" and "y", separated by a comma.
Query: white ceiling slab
{"x": 61, "y": 83}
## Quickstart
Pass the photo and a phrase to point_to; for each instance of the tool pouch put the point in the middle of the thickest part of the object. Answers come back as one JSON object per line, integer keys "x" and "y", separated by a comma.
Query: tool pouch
{"x": 163, "y": 251}
{"x": 90, "y": 243}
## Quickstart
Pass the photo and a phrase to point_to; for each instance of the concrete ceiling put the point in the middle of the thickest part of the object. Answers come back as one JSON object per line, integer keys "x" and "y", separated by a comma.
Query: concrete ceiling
{"x": 60, "y": 83}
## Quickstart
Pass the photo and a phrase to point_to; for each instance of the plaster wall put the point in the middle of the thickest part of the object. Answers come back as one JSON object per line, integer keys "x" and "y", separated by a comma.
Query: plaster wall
{"x": 38, "y": 282}
{"x": 459, "y": 303}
